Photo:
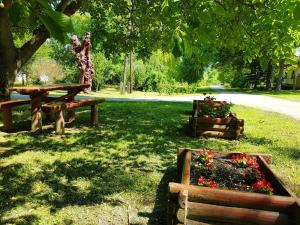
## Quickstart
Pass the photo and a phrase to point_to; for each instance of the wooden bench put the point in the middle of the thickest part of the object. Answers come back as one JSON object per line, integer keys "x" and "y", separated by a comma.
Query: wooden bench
{"x": 60, "y": 107}
{"x": 6, "y": 108}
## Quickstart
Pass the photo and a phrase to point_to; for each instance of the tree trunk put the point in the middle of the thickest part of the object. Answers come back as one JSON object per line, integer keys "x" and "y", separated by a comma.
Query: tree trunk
{"x": 269, "y": 75}
{"x": 8, "y": 65}
{"x": 124, "y": 74}
{"x": 131, "y": 71}
{"x": 280, "y": 74}
{"x": 12, "y": 58}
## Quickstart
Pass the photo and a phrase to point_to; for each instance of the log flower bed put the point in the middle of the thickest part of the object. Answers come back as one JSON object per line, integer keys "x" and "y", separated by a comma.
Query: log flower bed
{"x": 212, "y": 118}
{"x": 232, "y": 188}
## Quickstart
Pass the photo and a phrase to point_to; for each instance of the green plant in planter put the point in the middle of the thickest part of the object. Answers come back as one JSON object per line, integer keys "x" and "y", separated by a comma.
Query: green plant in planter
{"x": 209, "y": 108}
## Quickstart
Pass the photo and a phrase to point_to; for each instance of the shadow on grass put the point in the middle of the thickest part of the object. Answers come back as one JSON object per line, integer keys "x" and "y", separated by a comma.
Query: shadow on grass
{"x": 158, "y": 215}
{"x": 133, "y": 144}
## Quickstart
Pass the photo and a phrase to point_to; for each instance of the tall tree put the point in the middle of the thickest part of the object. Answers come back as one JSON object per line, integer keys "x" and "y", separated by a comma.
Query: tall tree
{"x": 34, "y": 21}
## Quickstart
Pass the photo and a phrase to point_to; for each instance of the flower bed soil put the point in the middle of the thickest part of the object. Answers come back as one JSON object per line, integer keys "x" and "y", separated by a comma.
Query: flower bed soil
{"x": 227, "y": 175}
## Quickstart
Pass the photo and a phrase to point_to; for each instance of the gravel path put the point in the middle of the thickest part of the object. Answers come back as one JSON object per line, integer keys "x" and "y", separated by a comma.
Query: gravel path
{"x": 285, "y": 107}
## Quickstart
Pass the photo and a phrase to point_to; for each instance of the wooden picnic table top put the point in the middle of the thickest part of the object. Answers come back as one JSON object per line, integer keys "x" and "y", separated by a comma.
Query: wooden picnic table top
{"x": 27, "y": 90}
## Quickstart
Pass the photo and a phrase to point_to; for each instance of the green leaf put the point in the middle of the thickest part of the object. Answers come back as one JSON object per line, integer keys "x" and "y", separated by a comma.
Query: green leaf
{"x": 297, "y": 12}
{"x": 57, "y": 23}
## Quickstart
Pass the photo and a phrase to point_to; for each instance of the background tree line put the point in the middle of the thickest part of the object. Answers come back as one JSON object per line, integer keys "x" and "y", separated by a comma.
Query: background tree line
{"x": 242, "y": 42}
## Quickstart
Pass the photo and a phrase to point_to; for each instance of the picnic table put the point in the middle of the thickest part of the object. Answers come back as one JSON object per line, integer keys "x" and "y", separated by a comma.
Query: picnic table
{"x": 39, "y": 94}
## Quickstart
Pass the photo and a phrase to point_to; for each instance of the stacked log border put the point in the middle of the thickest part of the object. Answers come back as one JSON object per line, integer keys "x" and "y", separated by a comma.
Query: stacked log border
{"x": 195, "y": 205}
{"x": 228, "y": 128}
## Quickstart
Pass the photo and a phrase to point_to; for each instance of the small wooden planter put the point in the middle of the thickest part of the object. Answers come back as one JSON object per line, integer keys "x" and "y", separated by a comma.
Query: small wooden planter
{"x": 228, "y": 128}
{"x": 195, "y": 205}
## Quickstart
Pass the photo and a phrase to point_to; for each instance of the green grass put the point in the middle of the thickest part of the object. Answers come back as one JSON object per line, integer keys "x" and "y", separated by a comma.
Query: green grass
{"x": 284, "y": 94}
{"x": 121, "y": 167}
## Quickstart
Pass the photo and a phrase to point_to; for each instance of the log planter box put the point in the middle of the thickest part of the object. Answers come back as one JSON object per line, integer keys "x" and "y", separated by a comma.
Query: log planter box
{"x": 228, "y": 128}
{"x": 197, "y": 205}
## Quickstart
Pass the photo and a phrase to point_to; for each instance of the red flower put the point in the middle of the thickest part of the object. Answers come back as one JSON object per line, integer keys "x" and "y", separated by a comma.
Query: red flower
{"x": 263, "y": 186}
{"x": 213, "y": 184}
{"x": 201, "y": 180}
{"x": 244, "y": 160}
{"x": 207, "y": 183}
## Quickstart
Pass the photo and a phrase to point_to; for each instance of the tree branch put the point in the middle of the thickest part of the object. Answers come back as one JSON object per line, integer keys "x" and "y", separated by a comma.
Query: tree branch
{"x": 41, "y": 34}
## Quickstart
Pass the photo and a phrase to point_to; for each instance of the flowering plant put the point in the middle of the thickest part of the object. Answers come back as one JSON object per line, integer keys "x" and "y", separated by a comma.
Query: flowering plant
{"x": 207, "y": 182}
{"x": 263, "y": 186}
{"x": 252, "y": 174}
{"x": 205, "y": 159}
{"x": 243, "y": 160}
{"x": 210, "y": 109}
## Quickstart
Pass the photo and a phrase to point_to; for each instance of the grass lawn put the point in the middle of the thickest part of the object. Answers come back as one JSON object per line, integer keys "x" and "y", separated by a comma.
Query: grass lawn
{"x": 121, "y": 168}
{"x": 284, "y": 94}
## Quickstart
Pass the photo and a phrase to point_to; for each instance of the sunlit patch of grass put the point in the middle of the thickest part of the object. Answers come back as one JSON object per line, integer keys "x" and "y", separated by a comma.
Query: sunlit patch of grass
{"x": 121, "y": 167}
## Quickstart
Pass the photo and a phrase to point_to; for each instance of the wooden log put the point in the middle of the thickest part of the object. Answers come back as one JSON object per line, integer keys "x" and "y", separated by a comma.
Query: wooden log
{"x": 220, "y": 121}
{"x": 277, "y": 184}
{"x": 60, "y": 122}
{"x": 36, "y": 111}
{"x": 235, "y": 198}
{"x": 185, "y": 179}
{"x": 192, "y": 222}
{"x": 71, "y": 112}
{"x": 183, "y": 201}
{"x": 207, "y": 212}
{"x": 180, "y": 159}
{"x": 36, "y": 118}
{"x": 217, "y": 134}
{"x": 7, "y": 119}
{"x": 94, "y": 115}
{"x": 218, "y": 127}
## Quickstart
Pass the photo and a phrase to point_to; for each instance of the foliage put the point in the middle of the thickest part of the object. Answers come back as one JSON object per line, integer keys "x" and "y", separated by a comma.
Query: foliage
{"x": 45, "y": 70}
{"x": 125, "y": 25}
{"x": 263, "y": 186}
{"x": 101, "y": 65}
{"x": 25, "y": 16}
{"x": 207, "y": 182}
{"x": 214, "y": 109}
{"x": 260, "y": 30}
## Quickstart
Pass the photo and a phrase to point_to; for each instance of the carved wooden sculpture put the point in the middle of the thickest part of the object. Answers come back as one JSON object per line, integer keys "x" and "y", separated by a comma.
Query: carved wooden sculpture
{"x": 85, "y": 64}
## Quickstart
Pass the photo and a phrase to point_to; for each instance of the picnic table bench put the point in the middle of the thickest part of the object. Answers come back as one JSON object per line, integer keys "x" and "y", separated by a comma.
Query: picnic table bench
{"x": 60, "y": 107}
{"x": 6, "y": 109}
{"x": 39, "y": 100}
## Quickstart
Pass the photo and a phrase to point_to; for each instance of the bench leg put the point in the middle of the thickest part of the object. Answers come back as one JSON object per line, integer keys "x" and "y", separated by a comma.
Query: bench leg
{"x": 94, "y": 115}
{"x": 71, "y": 115}
{"x": 7, "y": 119}
{"x": 36, "y": 116}
{"x": 60, "y": 122}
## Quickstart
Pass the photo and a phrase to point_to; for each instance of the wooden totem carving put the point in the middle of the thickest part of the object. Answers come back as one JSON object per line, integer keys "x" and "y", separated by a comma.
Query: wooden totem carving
{"x": 85, "y": 64}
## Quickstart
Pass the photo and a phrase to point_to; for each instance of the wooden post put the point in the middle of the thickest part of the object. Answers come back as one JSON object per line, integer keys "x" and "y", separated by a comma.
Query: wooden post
{"x": 60, "y": 122}
{"x": 36, "y": 116}
{"x": 94, "y": 115}
{"x": 7, "y": 119}
{"x": 71, "y": 112}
